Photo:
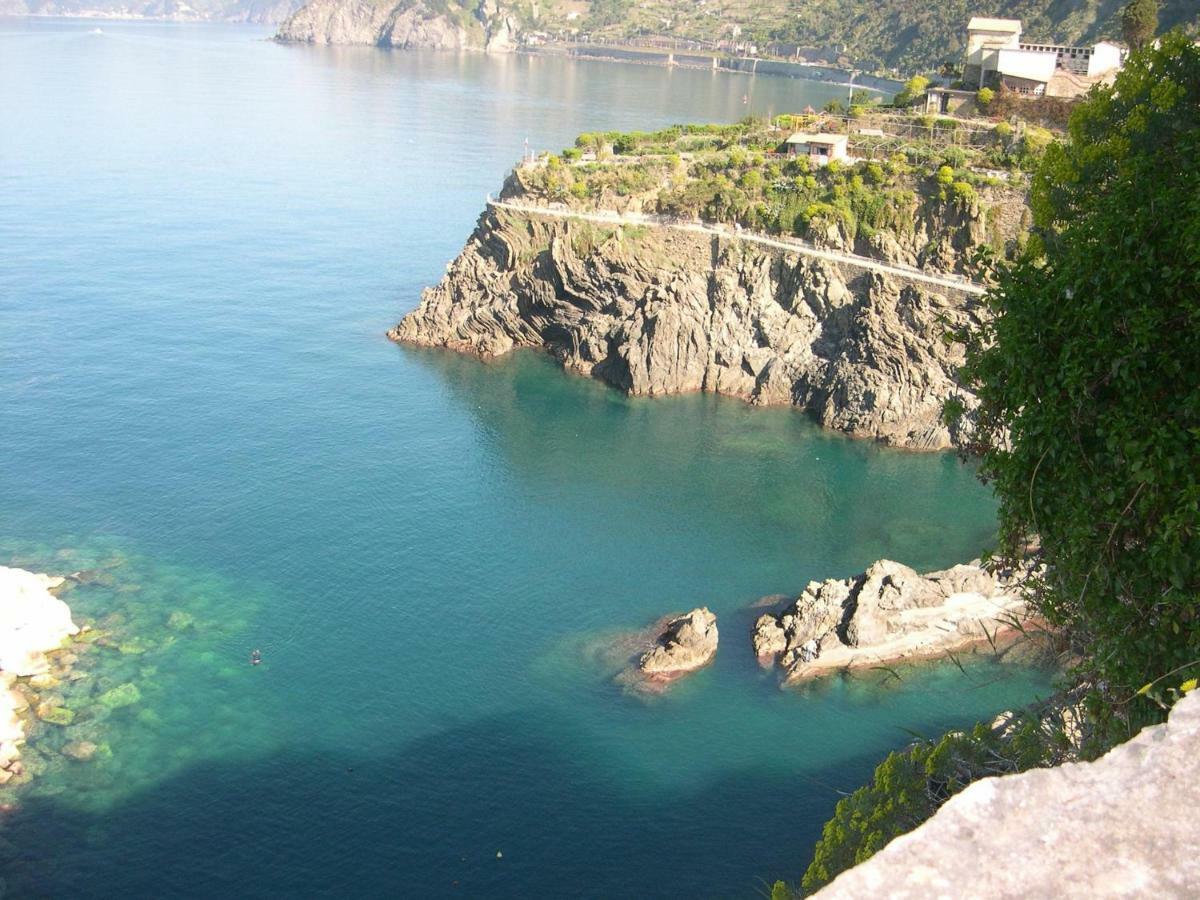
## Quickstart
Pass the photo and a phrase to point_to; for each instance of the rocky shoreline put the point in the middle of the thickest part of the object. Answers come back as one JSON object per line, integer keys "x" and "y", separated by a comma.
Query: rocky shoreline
{"x": 33, "y": 623}
{"x": 890, "y": 614}
{"x": 655, "y": 311}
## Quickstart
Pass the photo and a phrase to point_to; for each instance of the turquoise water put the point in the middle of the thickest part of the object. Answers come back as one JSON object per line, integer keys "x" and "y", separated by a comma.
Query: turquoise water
{"x": 204, "y": 238}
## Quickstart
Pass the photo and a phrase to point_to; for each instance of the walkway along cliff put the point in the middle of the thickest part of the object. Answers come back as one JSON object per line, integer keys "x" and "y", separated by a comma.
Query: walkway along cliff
{"x": 655, "y": 308}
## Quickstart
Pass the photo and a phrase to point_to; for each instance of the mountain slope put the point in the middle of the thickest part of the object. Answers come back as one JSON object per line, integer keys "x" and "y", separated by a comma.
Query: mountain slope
{"x": 875, "y": 34}
{"x": 258, "y": 11}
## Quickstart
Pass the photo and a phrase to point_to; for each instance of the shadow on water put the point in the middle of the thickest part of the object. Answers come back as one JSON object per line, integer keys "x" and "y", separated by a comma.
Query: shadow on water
{"x": 369, "y": 828}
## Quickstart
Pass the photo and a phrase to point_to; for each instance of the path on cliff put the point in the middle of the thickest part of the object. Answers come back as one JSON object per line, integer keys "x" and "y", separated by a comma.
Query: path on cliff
{"x": 610, "y": 217}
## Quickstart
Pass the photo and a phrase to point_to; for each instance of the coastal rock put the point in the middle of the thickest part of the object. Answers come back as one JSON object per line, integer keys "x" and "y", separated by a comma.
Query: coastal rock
{"x": 888, "y": 613}
{"x": 404, "y": 24}
{"x": 662, "y": 310}
{"x": 1116, "y": 827}
{"x": 32, "y": 621}
{"x": 687, "y": 643}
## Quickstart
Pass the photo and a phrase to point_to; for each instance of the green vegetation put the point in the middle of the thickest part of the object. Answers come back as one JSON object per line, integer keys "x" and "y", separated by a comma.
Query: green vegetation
{"x": 1087, "y": 376}
{"x": 1139, "y": 21}
{"x": 742, "y": 175}
{"x": 909, "y": 786}
{"x": 1088, "y": 427}
{"x": 876, "y": 34}
{"x": 913, "y": 90}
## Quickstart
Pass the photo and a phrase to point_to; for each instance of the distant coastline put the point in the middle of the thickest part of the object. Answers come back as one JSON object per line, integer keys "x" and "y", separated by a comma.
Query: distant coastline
{"x": 744, "y": 65}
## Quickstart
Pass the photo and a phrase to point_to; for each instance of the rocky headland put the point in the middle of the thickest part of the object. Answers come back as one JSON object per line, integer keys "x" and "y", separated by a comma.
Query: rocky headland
{"x": 889, "y": 614}
{"x": 657, "y": 303}
{"x": 407, "y": 24}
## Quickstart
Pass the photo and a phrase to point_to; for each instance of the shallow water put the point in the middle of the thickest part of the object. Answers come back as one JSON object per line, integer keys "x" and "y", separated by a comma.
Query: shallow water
{"x": 205, "y": 237}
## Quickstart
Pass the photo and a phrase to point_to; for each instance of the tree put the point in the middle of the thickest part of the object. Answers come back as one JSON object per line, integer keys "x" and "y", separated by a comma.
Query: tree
{"x": 1139, "y": 21}
{"x": 913, "y": 89}
{"x": 1088, "y": 379}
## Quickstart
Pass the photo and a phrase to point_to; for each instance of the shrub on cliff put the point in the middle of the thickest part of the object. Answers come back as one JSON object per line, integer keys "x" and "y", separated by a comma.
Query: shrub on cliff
{"x": 909, "y": 786}
{"x": 1089, "y": 383}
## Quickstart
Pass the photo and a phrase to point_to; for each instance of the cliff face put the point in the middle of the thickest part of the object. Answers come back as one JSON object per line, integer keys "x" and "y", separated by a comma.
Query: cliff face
{"x": 654, "y": 310}
{"x": 409, "y": 24}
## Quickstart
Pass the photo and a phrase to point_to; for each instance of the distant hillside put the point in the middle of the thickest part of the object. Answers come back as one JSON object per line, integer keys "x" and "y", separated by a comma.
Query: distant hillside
{"x": 909, "y": 35}
{"x": 260, "y": 11}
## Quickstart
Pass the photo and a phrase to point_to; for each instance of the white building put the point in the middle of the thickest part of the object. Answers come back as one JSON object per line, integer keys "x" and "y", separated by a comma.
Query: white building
{"x": 996, "y": 56}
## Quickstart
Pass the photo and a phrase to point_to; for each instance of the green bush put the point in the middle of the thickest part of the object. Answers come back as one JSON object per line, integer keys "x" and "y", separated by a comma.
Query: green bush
{"x": 910, "y": 785}
{"x": 1087, "y": 379}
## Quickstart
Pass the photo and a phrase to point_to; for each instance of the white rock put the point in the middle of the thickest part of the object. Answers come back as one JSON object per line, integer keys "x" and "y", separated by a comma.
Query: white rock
{"x": 1122, "y": 826}
{"x": 32, "y": 620}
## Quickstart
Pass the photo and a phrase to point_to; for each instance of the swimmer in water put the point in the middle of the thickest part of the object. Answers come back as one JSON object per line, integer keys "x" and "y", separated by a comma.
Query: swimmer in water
{"x": 255, "y": 657}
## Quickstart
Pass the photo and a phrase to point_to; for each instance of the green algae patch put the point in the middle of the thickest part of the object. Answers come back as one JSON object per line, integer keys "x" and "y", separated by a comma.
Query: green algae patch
{"x": 123, "y": 695}
{"x": 135, "y": 646}
{"x": 56, "y": 715}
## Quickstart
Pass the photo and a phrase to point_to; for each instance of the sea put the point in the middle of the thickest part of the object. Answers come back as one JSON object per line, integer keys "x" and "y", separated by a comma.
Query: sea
{"x": 204, "y": 236}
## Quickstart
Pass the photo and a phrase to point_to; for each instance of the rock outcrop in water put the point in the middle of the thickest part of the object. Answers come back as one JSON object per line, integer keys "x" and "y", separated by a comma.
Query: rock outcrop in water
{"x": 407, "y": 24}
{"x": 656, "y": 310}
{"x": 32, "y": 622}
{"x": 1116, "y": 827}
{"x": 686, "y": 643}
{"x": 888, "y": 613}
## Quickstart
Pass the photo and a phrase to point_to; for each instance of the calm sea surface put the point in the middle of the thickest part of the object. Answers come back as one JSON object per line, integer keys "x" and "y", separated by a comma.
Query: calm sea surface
{"x": 203, "y": 237}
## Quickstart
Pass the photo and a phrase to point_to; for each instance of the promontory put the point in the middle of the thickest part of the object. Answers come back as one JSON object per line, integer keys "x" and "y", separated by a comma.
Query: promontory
{"x": 729, "y": 259}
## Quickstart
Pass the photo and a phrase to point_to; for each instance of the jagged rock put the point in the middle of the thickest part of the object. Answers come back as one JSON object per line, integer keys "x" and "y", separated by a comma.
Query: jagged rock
{"x": 888, "y": 613}
{"x": 405, "y": 24}
{"x": 1116, "y": 827}
{"x": 687, "y": 643}
{"x": 671, "y": 311}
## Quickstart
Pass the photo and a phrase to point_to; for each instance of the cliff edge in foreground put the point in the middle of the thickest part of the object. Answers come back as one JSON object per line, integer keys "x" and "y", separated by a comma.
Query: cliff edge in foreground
{"x": 1116, "y": 827}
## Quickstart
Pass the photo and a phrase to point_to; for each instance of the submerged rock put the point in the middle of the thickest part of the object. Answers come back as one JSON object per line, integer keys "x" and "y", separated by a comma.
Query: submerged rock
{"x": 888, "y": 613}
{"x": 55, "y": 715}
{"x": 687, "y": 643}
{"x": 123, "y": 695}
{"x": 80, "y": 750}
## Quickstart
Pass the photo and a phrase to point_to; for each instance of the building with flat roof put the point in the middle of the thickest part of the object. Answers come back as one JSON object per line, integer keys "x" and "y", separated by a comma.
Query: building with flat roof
{"x": 997, "y": 57}
{"x": 820, "y": 148}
